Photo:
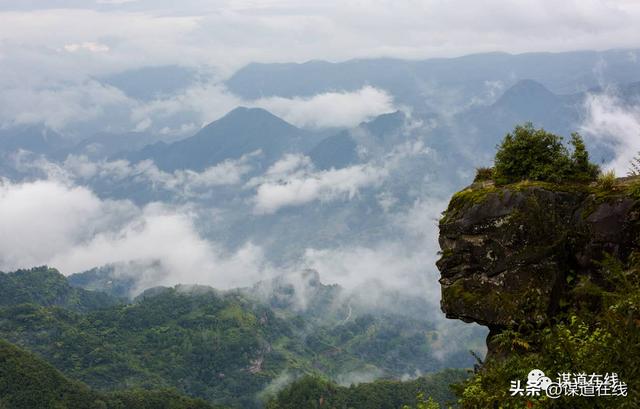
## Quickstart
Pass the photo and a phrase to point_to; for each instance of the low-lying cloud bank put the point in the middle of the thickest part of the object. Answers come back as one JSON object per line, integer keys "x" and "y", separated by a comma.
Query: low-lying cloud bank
{"x": 405, "y": 263}
{"x": 331, "y": 109}
{"x": 184, "y": 184}
{"x": 615, "y": 123}
{"x": 293, "y": 181}
{"x": 58, "y": 222}
{"x": 98, "y": 107}
{"x": 69, "y": 227}
{"x": 306, "y": 185}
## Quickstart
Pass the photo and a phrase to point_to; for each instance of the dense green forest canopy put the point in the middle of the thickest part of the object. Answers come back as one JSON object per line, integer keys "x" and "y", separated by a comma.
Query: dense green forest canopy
{"x": 312, "y": 392}
{"x": 28, "y": 382}
{"x": 225, "y": 347}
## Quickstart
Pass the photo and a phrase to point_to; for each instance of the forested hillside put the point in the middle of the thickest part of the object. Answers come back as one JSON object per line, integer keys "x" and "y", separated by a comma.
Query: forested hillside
{"x": 229, "y": 348}
{"x": 312, "y": 392}
{"x": 28, "y": 382}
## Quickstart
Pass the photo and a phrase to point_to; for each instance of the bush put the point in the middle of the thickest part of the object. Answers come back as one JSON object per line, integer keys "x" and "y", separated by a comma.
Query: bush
{"x": 634, "y": 166}
{"x": 607, "y": 180}
{"x": 535, "y": 154}
{"x": 483, "y": 174}
{"x": 634, "y": 190}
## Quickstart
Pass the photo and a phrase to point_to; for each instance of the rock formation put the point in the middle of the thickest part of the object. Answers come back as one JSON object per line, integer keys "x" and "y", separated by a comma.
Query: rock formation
{"x": 511, "y": 254}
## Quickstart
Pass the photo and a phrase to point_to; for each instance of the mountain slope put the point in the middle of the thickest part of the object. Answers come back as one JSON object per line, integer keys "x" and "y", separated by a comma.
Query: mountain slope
{"x": 204, "y": 344}
{"x": 240, "y": 132}
{"x": 307, "y": 392}
{"x": 386, "y": 124}
{"x": 104, "y": 145}
{"x": 28, "y": 382}
{"x": 337, "y": 151}
{"x": 228, "y": 347}
{"x": 526, "y": 101}
{"x": 152, "y": 82}
{"x": 47, "y": 287}
{"x": 33, "y": 138}
{"x": 104, "y": 280}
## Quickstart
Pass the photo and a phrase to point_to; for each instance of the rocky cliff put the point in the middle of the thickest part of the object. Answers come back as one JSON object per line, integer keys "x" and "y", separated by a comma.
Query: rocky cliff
{"x": 511, "y": 255}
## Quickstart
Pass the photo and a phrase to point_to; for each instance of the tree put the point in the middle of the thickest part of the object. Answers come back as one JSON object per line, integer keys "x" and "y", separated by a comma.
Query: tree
{"x": 580, "y": 157}
{"x": 634, "y": 169}
{"x": 528, "y": 153}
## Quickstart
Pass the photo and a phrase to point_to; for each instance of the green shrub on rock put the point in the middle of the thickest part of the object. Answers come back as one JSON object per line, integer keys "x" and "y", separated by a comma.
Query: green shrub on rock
{"x": 483, "y": 174}
{"x": 528, "y": 153}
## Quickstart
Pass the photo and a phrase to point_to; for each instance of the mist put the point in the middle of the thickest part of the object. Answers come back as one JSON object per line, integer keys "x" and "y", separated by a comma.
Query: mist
{"x": 615, "y": 123}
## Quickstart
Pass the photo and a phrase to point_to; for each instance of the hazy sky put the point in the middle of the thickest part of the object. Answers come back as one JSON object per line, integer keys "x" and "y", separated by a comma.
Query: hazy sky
{"x": 51, "y": 51}
{"x": 74, "y": 37}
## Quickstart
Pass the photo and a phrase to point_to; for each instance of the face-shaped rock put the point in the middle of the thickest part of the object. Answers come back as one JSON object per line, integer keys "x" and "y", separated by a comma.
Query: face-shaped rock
{"x": 506, "y": 252}
{"x": 499, "y": 260}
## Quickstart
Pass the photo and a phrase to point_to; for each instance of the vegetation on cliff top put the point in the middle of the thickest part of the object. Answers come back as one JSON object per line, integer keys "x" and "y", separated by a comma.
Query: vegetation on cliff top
{"x": 528, "y": 153}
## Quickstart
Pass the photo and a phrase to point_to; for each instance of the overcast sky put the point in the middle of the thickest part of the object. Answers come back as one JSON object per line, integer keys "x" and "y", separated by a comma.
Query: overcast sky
{"x": 72, "y": 37}
{"x": 52, "y": 50}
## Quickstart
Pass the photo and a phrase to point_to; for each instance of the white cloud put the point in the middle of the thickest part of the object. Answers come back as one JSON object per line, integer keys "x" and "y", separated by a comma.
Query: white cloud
{"x": 87, "y": 46}
{"x": 212, "y": 100}
{"x": 331, "y": 109}
{"x": 184, "y": 183}
{"x": 616, "y": 124}
{"x": 293, "y": 182}
{"x": 75, "y": 230}
{"x": 289, "y": 164}
{"x": 63, "y": 214}
{"x": 209, "y": 100}
{"x": 168, "y": 239}
{"x": 405, "y": 263}
{"x": 58, "y": 106}
{"x": 402, "y": 264}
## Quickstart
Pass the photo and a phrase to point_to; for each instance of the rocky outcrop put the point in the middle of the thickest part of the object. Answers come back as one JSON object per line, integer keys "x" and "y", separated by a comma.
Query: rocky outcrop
{"x": 511, "y": 254}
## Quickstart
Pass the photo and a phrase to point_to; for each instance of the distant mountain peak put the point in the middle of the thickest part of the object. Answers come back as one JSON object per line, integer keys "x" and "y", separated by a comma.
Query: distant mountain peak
{"x": 527, "y": 88}
{"x": 241, "y": 131}
{"x": 527, "y": 95}
{"x": 251, "y": 115}
{"x": 385, "y": 123}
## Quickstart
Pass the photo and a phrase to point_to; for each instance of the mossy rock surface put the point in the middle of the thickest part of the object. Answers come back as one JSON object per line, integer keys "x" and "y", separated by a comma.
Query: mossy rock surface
{"x": 510, "y": 253}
